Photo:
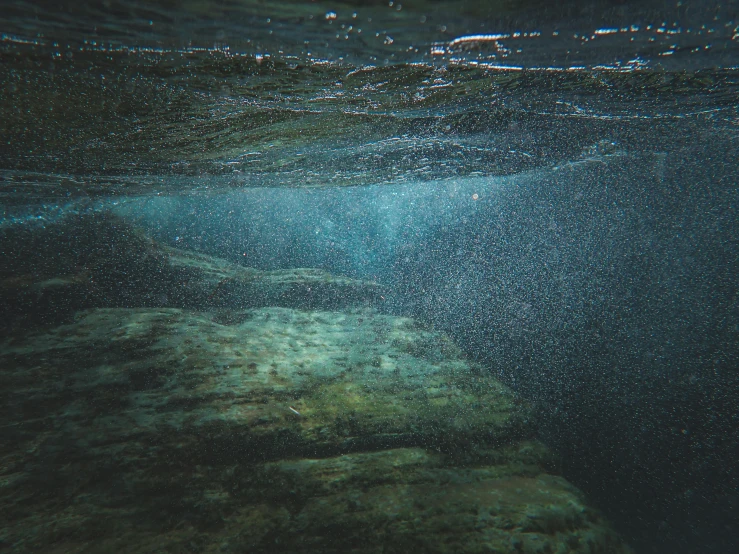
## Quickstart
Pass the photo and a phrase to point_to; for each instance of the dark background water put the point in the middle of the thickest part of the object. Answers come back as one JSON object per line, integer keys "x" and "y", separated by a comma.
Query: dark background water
{"x": 595, "y": 271}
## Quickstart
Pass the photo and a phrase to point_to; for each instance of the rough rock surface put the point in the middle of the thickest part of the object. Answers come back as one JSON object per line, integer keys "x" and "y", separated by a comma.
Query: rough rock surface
{"x": 271, "y": 430}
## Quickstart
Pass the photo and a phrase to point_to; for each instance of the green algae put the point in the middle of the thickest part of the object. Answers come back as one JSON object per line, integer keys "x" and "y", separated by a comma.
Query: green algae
{"x": 234, "y": 436}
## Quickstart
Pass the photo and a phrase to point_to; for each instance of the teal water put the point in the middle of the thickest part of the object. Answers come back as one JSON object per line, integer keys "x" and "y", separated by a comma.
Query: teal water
{"x": 554, "y": 187}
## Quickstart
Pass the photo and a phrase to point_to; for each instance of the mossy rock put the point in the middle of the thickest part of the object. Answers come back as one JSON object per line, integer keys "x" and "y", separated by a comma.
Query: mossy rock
{"x": 273, "y": 382}
{"x": 163, "y": 430}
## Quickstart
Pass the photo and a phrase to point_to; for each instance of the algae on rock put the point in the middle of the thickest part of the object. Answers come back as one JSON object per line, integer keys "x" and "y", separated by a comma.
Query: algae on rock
{"x": 162, "y": 429}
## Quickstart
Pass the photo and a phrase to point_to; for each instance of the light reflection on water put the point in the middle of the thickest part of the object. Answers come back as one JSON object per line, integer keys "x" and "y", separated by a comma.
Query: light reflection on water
{"x": 249, "y": 94}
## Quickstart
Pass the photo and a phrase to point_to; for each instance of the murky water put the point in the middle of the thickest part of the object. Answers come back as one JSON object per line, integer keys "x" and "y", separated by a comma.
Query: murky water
{"x": 330, "y": 276}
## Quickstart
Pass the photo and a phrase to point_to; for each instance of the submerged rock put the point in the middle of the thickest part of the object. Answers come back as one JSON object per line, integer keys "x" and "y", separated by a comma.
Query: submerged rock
{"x": 271, "y": 430}
{"x": 100, "y": 260}
{"x": 200, "y": 281}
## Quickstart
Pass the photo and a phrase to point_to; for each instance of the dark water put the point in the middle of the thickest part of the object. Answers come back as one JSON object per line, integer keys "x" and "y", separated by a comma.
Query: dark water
{"x": 554, "y": 188}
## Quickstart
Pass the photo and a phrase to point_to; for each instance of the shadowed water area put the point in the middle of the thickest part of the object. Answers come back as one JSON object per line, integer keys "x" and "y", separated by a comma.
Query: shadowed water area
{"x": 368, "y": 277}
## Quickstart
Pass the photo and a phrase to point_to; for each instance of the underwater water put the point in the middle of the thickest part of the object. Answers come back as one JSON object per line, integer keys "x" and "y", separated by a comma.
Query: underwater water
{"x": 421, "y": 276}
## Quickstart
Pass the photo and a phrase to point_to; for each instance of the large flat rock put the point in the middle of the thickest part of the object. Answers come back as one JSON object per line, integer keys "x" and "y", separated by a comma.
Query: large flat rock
{"x": 266, "y": 430}
{"x": 259, "y": 383}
